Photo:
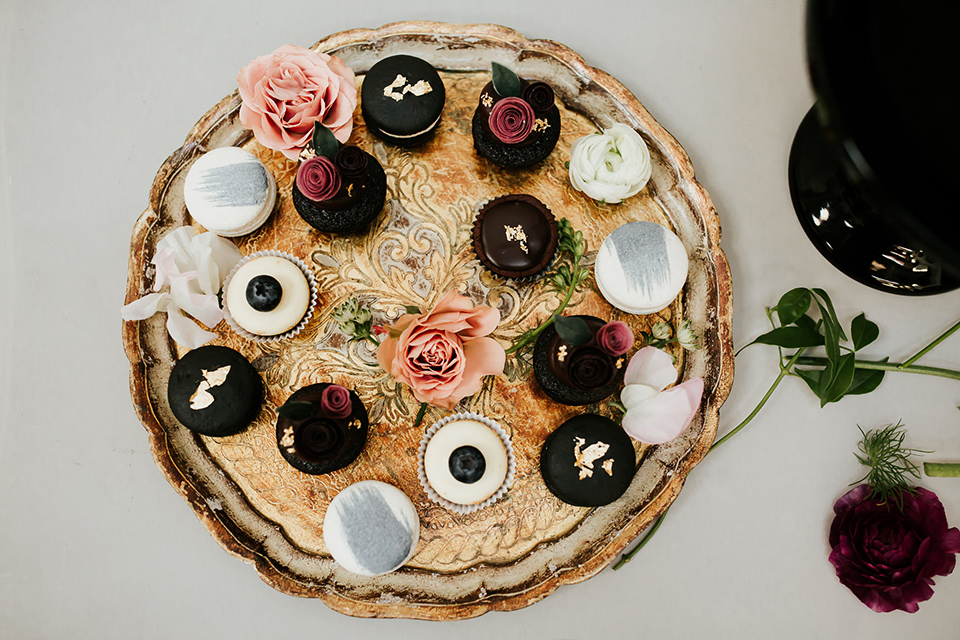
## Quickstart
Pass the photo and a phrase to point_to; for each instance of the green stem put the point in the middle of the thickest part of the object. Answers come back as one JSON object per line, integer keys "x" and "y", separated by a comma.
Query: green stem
{"x": 574, "y": 278}
{"x": 372, "y": 340}
{"x": 887, "y": 366}
{"x": 943, "y": 336}
{"x": 423, "y": 410}
{"x": 942, "y": 469}
{"x": 625, "y": 558}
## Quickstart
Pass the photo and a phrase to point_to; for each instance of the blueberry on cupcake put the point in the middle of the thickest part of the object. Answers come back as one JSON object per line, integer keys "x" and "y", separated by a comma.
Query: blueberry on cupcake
{"x": 341, "y": 189}
{"x": 515, "y": 236}
{"x": 269, "y": 296}
{"x": 517, "y": 123}
{"x": 402, "y": 99}
{"x": 580, "y": 360}
{"x": 322, "y": 428}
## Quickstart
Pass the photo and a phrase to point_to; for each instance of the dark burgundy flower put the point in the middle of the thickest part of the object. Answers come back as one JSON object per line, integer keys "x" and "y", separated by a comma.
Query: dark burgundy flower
{"x": 590, "y": 368}
{"x": 887, "y": 556}
{"x": 318, "y": 440}
{"x": 615, "y": 338}
{"x": 335, "y": 402}
{"x": 539, "y": 95}
{"x": 351, "y": 161}
{"x": 318, "y": 178}
{"x": 511, "y": 120}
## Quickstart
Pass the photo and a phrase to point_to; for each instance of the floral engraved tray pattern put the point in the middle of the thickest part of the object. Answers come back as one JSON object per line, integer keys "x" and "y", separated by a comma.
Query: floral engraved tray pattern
{"x": 518, "y": 550}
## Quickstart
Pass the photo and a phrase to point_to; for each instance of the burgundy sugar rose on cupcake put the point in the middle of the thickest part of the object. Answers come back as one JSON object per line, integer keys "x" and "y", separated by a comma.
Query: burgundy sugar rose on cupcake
{"x": 286, "y": 92}
{"x": 517, "y": 123}
{"x": 338, "y": 188}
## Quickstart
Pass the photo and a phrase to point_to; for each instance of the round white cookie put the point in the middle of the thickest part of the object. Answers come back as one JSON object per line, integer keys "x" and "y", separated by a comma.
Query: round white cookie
{"x": 229, "y": 192}
{"x": 641, "y": 267}
{"x": 371, "y": 528}
{"x": 465, "y": 433}
{"x": 294, "y": 300}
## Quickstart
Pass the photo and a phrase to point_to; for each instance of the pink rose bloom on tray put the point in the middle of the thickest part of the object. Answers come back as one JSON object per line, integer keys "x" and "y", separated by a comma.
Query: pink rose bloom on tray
{"x": 285, "y": 92}
{"x": 442, "y": 354}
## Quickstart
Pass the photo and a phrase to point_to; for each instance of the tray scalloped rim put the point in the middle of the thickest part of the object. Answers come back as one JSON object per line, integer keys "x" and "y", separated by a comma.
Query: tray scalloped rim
{"x": 240, "y": 542}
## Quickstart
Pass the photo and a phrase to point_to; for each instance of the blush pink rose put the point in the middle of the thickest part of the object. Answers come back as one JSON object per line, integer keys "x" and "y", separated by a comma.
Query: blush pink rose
{"x": 285, "y": 92}
{"x": 442, "y": 355}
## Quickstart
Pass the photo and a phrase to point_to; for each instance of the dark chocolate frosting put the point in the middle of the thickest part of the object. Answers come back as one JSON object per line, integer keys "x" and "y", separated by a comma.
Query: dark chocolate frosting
{"x": 319, "y": 443}
{"x": 358, "y": 202}
{"x": 576, "y": 375}
{"x": 515, "y": 236}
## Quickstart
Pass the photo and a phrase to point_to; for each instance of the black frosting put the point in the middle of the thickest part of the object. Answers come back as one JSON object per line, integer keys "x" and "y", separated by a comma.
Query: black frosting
{"x": 553, "y": 375}
{"x": 388, "y": 118}
{"x": 513, "y": 156}
{"x": 505, "y": 255}
{"x": 581, "y": 485}
{"x": 340, "y": 215}
{"x": 322, "y": 444}
{"x": 236, "y": 401}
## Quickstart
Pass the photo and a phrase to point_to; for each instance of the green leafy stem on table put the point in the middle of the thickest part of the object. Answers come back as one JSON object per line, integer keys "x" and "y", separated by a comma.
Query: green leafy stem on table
{"x": 833, "y": 376}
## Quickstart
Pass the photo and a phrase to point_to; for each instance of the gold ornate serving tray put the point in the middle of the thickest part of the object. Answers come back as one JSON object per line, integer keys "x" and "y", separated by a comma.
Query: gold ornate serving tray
{"x": 519, "y": 550}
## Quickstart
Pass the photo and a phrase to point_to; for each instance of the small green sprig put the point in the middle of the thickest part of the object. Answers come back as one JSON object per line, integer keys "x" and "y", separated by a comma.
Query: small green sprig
{"x": 356, "y": 321}
{"x": 888, "y": 461}
{"x": 566, "y": 279}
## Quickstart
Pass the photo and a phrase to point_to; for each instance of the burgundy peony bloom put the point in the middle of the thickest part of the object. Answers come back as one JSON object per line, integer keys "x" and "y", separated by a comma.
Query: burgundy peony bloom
{"x": 511, "y": 120}
{"x": 318, "y": 179}
{"x": 351, "y": 161}
{"x": 887, "y": 556}
{"x": 335, "y": 402}
{"x": 590, "y": 368}
{"x": 540, "y": 96}
{"x": 616, "y": 338}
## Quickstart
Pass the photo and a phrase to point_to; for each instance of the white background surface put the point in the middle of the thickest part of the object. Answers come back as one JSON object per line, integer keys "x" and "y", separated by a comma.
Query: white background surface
{"x": 95, "y": 544}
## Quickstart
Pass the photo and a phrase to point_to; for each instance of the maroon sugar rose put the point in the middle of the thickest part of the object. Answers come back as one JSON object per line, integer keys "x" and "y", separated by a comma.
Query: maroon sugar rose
{"x": 511, "y": 120}
{"x": 318, "y": 178}
{"x": 590, "y": 368}
{"x": 887, "y": 556}
{"x": 615, "y": 338}
{"x": 540, "y": 96}
{"x": 335, "y": 402}
{"x": 318, "y": 440}
{"x": 351, "y": 161}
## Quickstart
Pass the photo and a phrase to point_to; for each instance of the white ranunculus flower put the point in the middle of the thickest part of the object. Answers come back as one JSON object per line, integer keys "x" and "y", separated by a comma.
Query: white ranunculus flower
{"x": 610, "y": 166}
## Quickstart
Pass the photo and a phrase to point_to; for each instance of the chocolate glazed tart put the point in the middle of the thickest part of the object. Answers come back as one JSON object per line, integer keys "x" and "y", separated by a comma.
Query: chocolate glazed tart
{"x": 550, "y": 371}
{"x": 346, "y": 213}
{"x": 322, "y": 444}
{"x": 515, "y": 236}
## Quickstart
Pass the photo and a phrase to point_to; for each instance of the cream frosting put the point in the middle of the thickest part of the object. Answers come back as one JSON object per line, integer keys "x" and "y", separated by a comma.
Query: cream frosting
{"x": 293, "y": 303}
{"x": 459, "y": 433}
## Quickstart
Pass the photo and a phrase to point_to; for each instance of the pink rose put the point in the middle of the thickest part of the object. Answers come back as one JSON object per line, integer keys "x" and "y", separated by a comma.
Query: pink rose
{"x": 443, "y": 354}
{"x": 335, "y": 402}
{"x": 616, "y": 338}
{"x": 285, "y": 92}
{"x": 511, "y": 120}
{"x": 318, "y": 179}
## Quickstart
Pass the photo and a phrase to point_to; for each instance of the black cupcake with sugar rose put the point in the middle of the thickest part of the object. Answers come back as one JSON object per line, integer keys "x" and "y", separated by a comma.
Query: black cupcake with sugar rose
{"x": 338, "y": 188}
{"x": 517, "y": 123}
{"x": 581, "y": 360}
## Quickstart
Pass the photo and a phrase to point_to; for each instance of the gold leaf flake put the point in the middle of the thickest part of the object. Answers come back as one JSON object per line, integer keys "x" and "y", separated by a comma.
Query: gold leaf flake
{"x": 201, "y": 398}
{"x": 398, "y": 82}
{"x": 516, "y": 234}
{"x": 540, "y": 125}
{"x": 562, "y": 353}
{"x": 422, "y": 87}
{"x": 585, "y": 458}
{"x": 486, "y": 100}
{"x": 287, "y": 439}
{"x": 608, "y": 466}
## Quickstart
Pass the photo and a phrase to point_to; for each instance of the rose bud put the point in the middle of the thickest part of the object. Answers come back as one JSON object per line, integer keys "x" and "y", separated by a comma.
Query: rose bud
{"x": 335, "y": 402}
{"x": 615, "y": 338}
{"x": 590, "y": 368}
{"x": 318, "y": 179}
{"x": 511, "y": 120}
{"x": 539, "y": 95}
{"x": 351, "y": 161}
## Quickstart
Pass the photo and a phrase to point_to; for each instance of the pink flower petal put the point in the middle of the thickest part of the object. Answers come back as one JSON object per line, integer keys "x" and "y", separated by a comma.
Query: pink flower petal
{"x": 652, "y": 367}
{"x": 664, "y": 416}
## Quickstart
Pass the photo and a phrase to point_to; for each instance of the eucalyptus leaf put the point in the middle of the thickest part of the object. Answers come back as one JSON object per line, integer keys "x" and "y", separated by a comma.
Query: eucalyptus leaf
{"x": 296, "y": 410}
{"x": 573, "y": 331}
{"x": 505, "y": 81}
{"x": 791, "y": 338}
{"x": 838, "y": 385}
{"x": 863, "y": 331}
{"x": 324, "y": 142}
{"x": 793, "y": 304}
{"x": 411, "y": 308}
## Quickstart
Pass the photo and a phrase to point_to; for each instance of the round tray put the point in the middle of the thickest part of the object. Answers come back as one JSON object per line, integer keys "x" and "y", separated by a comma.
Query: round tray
{"x": 513, "y": 553}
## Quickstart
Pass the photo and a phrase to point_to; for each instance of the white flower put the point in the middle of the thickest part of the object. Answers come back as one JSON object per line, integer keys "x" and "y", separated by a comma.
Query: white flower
{"x": 687, "y": 337}
{"x": 610, "y": 166}
{"x": 653, "y": 415}
{"x": 661, "y": 330}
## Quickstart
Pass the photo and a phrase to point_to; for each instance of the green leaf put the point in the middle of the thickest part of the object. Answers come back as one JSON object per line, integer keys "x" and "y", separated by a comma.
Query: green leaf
{"x": 411, "y": 308}
{"x": 831, "y": 342}
{"x": 942, "y": 469}
{"x": 838, "y": 385}
{"x": 806, "y": 322}
{"x": 296, "y": 410}
{"x": 324, "y": 142}
{"x": 573, "y": 331}
{"x": 811, "y": 377}
{"x": 793, "y": 304}
{"x": 791, "y": 338}
{"x": 505, "y": 81}
{"x": 863, "y": 332}
{"x": 829, "y": 304}
{"x": 865, "y": 381}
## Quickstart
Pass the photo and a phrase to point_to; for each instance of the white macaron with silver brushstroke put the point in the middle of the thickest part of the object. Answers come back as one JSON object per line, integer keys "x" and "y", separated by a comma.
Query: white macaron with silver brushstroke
{"x": 230, "y": 192}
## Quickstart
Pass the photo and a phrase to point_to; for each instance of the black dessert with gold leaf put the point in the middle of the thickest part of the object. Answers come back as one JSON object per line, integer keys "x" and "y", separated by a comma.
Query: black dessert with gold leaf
{"x": 322, "y": 428}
